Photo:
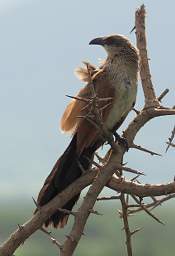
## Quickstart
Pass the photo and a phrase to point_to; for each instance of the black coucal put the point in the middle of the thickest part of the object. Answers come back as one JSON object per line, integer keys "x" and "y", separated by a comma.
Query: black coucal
{"x": 116, "y": 78}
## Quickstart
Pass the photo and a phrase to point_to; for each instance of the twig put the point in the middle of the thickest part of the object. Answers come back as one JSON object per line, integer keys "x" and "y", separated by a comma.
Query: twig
{"x": 145, "y": 150}
{"x": 147, "y": 211}
{"x": 78, "y": 98}
{"x": 100, "y": 159}
{"x": 126, "y": 224}
{"x": 95, "y": 212}
{"x": 108, "y": 198}
{"x": 171, "y": 139}
{"x": 135, "y": 231}
{"x": 127, "y": 169}
{"x": 67, "y": 211}
{"x": 171, "y": 144}
{"x": 20, "y": 227}
{"x": 163, "y": 94}
{"x": 141, "y": 190}
{"x": 52, "y": 238}
{"x": 136, "y": 111}
{"x": 35, "y": 202}
{"x": 152, "y": 205}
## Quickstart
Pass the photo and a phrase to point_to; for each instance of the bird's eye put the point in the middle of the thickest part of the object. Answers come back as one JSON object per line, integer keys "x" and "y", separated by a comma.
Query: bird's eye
{"x": 113, "y": 41}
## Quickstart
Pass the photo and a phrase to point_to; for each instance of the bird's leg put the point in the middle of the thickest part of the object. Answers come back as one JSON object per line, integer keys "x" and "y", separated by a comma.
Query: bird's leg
{"x": 121, "y": 140}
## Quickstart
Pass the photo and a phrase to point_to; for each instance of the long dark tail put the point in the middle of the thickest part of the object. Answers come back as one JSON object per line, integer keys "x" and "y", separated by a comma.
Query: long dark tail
{"x": 66, "y": 170}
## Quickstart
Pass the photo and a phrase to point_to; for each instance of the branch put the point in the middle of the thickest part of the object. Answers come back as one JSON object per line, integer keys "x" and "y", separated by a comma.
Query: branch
{"x": 153, "y": 204}
{"x": 126, "y": 224}
{"x": 171, "y": 139}
{"x": 141, "y": 190}
{"x": 145, "y": 150}
{"x": 146, "y": 210}
{"x": 149, "y": 93}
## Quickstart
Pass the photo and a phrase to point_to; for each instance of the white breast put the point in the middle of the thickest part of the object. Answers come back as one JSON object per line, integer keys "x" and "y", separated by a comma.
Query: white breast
{"x": 125, "y": 96}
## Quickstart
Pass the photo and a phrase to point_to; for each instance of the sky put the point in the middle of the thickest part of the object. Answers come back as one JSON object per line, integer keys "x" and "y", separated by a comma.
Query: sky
{"x": 42, "y": 42}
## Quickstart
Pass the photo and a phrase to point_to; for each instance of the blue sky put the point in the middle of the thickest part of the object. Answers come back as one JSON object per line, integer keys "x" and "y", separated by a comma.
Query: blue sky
{"x": 42, "y": 42}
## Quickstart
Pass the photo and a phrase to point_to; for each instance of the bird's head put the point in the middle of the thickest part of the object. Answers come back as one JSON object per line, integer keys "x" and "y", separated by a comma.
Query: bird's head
{"x": 113, "y": 44}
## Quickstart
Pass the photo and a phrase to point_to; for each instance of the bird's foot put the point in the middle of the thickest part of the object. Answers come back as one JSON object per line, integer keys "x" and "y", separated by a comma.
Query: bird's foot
{"x": 121, "y": 141}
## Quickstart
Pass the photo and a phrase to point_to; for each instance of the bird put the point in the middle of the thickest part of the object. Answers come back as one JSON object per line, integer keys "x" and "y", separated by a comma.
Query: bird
{"x": 115, "y": 80}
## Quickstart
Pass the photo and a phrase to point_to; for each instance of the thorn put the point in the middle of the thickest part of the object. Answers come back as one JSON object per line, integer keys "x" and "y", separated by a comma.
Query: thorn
{"x": 105, "y": 99}
{"x": 135, "y": 231}
{"x": 170, "y": 139}
{"x": 136, "y": 111}
{"x": 36, "y": 204}
{"x": 145, "y": 150}
{"x": 85, "y": 107}
{"x": 127, "y": 169}
{"x": 96, "y": 165}
{"x": 104, "y": 107}
{"x": 140, "y": 199}
{"x": 95, "y": 212}
{"x": 147, "y": 211}
{"x": 91, "y": 161}
{"x": 108, "y": 198}
{"x": 100, "y": 159}
{"x": 54, "y": 241}
{"x": 163, "y": 94}
{"x": 45, "y": 231}
{"x": 137, "y": 176}
{"x": 70, "y": 237}
{"x": 169, "y": 144}
{"x": 120, "y": 213}
{"x": 20, "y": 227}
{"x": 67, "y": 211}
{"x": 78, "y": 98}
{"x": 132, "y": 29}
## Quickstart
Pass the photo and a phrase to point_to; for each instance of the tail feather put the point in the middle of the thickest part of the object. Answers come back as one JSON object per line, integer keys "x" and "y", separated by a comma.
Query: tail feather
{"x": 65, "y": 171}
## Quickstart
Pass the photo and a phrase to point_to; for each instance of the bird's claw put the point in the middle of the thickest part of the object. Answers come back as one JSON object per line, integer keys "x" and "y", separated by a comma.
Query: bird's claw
{"x": 121, "y": 141}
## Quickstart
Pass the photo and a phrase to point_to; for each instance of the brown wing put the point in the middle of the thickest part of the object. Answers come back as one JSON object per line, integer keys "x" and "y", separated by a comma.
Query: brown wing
{"x": 69, "y": 120}
{"x": 87, "y": 133}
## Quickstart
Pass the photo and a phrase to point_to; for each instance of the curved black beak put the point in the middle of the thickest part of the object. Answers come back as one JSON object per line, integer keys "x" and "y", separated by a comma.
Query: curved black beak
{"x": 98, "y": 41}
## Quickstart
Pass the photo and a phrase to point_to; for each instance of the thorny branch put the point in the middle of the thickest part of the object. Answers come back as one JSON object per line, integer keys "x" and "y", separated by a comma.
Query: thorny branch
{"x": 100, "y": 176}
{"x": 148, "y": 89}
{"x": 126, "y": 224}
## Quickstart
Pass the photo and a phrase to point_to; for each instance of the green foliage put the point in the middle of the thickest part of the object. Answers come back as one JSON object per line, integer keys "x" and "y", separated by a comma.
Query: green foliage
{"x": 103, "y": 234}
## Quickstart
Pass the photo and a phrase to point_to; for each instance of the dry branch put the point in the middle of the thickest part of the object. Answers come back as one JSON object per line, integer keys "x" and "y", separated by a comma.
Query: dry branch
{"x": 148, "y": 89}
{"x": 128, "y": 187}
{"x": 126, "y": 224}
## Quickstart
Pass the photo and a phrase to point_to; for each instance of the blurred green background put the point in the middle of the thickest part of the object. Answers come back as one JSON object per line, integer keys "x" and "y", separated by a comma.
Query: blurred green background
{"x": 41, "y": 43}
{"x": 103, "y": 234}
